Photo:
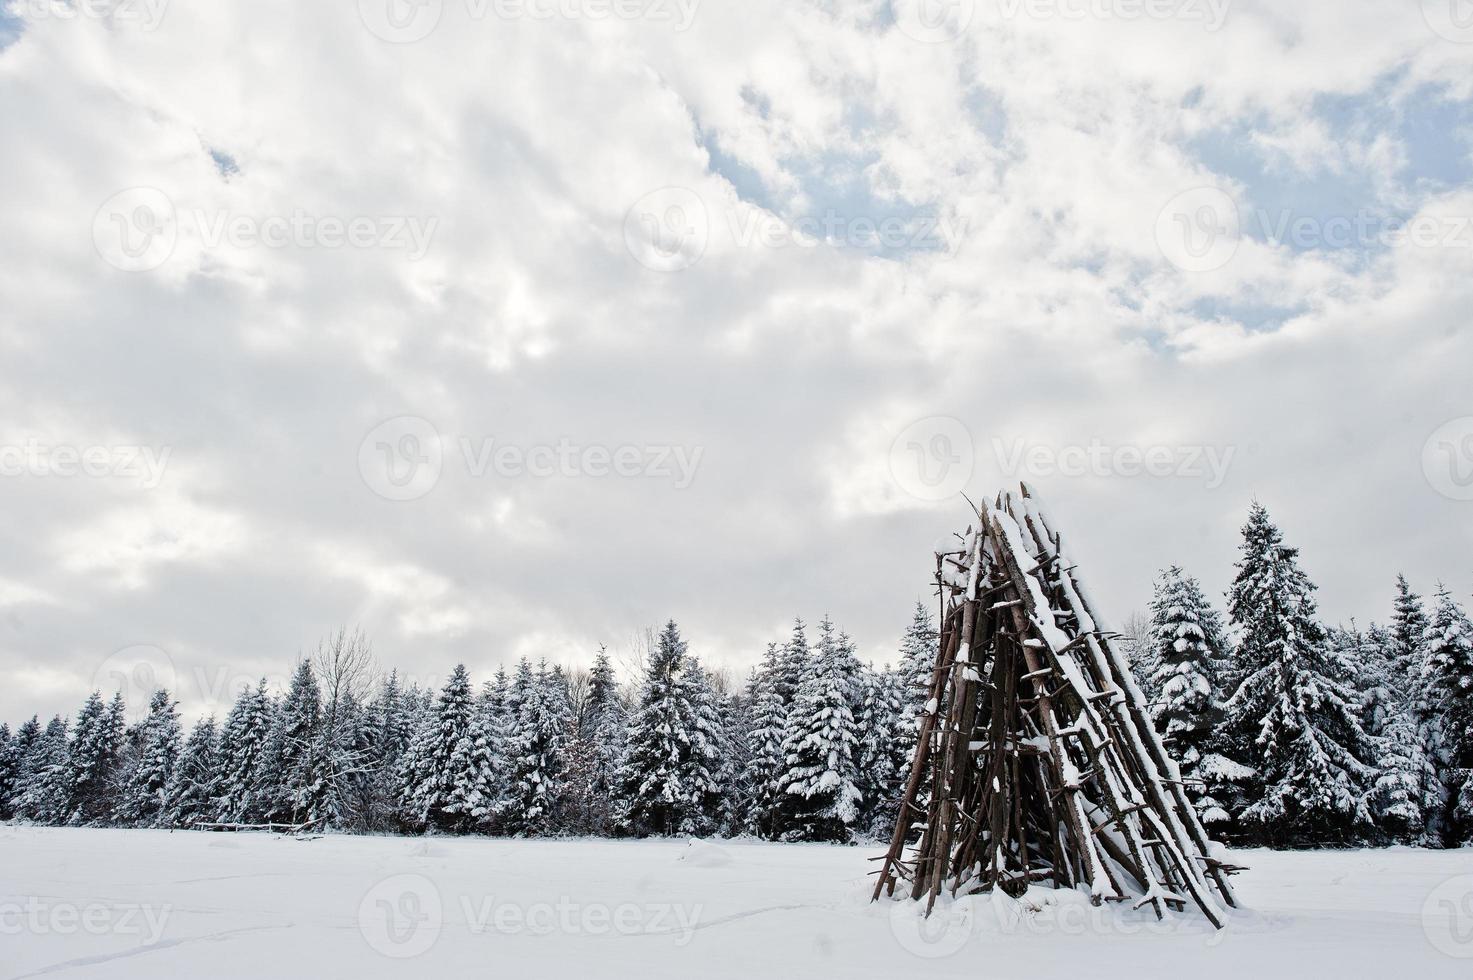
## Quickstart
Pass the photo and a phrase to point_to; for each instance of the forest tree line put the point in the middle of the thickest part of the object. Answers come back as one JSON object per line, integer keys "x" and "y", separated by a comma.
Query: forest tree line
{"x": 1288, "y": 732}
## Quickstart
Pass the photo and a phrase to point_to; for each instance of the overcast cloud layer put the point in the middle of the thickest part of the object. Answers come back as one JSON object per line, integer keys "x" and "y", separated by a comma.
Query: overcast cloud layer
{"x": 499, "y": 333}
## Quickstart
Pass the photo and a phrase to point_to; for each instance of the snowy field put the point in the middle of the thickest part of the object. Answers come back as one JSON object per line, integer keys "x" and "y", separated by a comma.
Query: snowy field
{"x": 100, "y": 903}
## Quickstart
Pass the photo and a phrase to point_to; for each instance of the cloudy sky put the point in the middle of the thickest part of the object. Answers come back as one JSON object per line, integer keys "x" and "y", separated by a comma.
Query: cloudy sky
{"x": 505, "y": 327}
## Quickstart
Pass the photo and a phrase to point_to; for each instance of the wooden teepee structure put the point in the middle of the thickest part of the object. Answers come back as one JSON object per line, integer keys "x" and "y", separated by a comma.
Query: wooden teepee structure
{"x": 1037, "y": 761}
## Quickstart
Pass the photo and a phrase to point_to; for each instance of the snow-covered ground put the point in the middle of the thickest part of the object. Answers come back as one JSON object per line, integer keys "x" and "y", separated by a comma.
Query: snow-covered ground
{"x": 99, "y": 903}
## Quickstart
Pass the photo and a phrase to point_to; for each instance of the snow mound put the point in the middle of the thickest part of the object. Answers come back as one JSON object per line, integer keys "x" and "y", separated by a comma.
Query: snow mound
{"x": 700, "y": 854}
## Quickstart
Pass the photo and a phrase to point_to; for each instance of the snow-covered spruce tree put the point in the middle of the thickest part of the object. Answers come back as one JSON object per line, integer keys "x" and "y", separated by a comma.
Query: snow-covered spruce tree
{"x": 1187, "y": 709}
{"x": 736, "y": 719}
{"x": 792, "y": 663}
{"x": 883, "y": 763}
{"x": 146, "y": 781}
{"x": 244, "y": 744}
{"x": 1294, "y": 715}
{"x": 195, "y": 787}
{"x": 427, "y": 783}
{"x": 297, "y": 779}
{"x": 707, "y": 771}
{"x": 1449, "y": 711}
{"x": 476, "y": 766}
{"x": 762, "y": 777}
{"x": 1407, "y": 632}
{"x": 45, "y": 784}
{"x": 22, "y": 754}
{"x": 1409, "y": 798}
{"x": 652, "y": 796}
{"x": 96, "y": 743}
{"x": 821, "y": 743}
{"x": 918, "y": 662}
{"x": 594, "y": 753}
{"x": 1369, "y": 655}
{"x": 390, "y": 725}
{"x": 9, "y": 763}
{"x": 535, "y": 756}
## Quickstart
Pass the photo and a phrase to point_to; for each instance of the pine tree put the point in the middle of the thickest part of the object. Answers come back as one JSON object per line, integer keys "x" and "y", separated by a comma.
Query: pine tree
{"x": 1294, "y": 709}
{"x": 22, "y": 766}
{"x": 427, "y": 781}
{"x": 762, "y": 777}
{"x": 476, "y": 792}
{"x": 9, "y": 763}
{"x": 244, "y": 749}
{"x": 146, "y": 781}
{"x": 706, "y": 772}
{"x": 653, "y": 798}
{"x": 1187, "y": 709}
{"x": 298, "y": 781}
{"x": 595, "y": 751}
{"x": 1448, "y": 675}
{"x": 918, "y": 652}
{"x": 97, "y": 742}
{"x": 45, "y": 785}
{"x": 883, "y": 761}
{"x": 535, "y": 755}
{"x": 1407, "y": 632}
{"x": 195, "y": 786}
{"x": 820, "y": 745}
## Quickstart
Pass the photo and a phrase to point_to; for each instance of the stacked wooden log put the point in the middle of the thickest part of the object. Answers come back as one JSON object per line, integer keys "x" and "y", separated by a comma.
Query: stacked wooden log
{"x": 1037, "y": 762}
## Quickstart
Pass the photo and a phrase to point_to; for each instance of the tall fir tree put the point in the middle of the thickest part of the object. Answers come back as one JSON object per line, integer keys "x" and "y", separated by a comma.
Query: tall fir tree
{"x": 194, "y": 790}
{"x": 535, "y": 755}
{"x": 427, "y": 784}
{"x": 9, "y": 763}
{"x": 821, "y": 743}
{"x": 298, "y": 780}
{"x": 1448, "y": 677}
{"x": 45, "y": 784}
{"x": 1407, "y": 633}
{"x": 244, "y": 750}
{"x": 883, "y": 761}
{"x": 1188, "y": 706}
{"x": 918, "y": 652}
{"x": 146, "y": 781}
{"x": 97, "y": 743}
{"x": 22, "y": 765}
{"x": 762, "y": 778}
{"x": 594, "y": 752}
{"x": 707, "y": 770}
{"x": 652, "y": 795}
{"x": 1294, "y": 714}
